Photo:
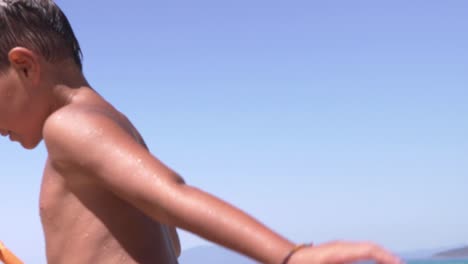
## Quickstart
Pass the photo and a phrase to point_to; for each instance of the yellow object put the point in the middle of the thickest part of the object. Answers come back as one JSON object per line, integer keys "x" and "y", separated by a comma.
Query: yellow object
{"x": 7, "y": 257}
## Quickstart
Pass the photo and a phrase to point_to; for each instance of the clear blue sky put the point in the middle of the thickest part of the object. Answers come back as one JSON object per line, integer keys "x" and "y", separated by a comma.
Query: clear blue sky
{"x": 323, "y": 119}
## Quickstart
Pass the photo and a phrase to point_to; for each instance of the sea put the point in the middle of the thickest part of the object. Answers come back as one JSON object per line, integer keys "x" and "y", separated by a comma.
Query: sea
{"x": 437, "y": 261}
{"x": 426, "y": 261}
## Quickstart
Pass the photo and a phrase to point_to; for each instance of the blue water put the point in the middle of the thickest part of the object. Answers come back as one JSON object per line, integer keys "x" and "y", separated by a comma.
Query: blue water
{"x": 428, "y": 261}
{"x": 438, "y": 261}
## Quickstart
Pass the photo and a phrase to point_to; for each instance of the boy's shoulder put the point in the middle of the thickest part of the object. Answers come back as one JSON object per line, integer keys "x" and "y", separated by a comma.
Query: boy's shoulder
{"x": 76, "y": 128}
{"x": 73, "y": 119}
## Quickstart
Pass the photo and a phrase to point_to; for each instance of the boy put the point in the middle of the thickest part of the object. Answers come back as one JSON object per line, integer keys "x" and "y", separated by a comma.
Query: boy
{"x": 104, "y": 197}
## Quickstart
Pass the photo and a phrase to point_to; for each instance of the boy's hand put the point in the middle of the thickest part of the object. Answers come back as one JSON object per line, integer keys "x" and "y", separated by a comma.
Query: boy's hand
{"x": 343, "y": 253}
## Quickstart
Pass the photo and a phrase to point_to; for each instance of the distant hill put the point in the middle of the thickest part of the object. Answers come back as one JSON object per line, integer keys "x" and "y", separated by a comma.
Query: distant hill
{"x": 453, "y": 253}
{"x": 427, "y": 253}
{"x": 212, "y": 254}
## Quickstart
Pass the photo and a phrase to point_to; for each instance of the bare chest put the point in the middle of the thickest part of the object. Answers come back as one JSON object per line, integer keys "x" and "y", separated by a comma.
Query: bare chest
{"x": 84, "y": 222}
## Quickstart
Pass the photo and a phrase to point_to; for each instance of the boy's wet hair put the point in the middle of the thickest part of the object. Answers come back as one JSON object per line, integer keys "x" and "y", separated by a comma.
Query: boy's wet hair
{"x": 38, "y": 25}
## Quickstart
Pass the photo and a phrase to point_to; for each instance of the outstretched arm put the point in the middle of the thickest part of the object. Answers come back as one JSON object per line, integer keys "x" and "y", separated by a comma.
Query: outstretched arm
{"x": 114, "y": 160}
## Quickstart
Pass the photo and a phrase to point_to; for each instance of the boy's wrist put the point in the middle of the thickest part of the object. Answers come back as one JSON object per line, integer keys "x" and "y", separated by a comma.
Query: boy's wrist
{"x": 293, "y": 251}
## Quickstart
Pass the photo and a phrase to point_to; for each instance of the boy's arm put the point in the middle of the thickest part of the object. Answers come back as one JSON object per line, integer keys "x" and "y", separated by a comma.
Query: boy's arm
{"x": 113, "y": 159}
{"x": 172, "y": 232}
{"x": 96, "y": 144}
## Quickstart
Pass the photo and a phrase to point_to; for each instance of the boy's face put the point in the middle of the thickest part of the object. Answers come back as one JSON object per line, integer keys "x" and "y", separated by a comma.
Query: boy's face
{"x": 20, "y": 109}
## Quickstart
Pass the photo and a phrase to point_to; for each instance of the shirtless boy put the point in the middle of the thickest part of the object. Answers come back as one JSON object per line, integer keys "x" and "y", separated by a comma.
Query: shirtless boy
{"x": 104, "y": 197}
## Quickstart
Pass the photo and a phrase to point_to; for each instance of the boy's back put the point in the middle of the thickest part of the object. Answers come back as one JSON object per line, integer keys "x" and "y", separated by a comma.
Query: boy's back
{"x": 84, "y": 223}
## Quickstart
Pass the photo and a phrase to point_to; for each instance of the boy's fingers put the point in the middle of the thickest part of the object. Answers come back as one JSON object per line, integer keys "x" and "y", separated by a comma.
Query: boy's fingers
{"x": 372, "y": 251}
{"x": 383, "y": 257}
{"x": 347, "y": 252}
{"x": 341, "y": 252}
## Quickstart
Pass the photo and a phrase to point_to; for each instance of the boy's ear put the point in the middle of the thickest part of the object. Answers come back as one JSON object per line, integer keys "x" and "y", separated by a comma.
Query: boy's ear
{"x": 25, "y": 62}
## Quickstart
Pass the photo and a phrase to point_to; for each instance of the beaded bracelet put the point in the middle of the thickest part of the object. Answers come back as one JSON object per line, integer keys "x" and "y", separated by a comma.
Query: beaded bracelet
{"x": 293, "y": 251}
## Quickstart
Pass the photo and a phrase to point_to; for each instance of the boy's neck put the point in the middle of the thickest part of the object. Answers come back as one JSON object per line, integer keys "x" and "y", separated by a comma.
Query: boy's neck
{"x": 68, "y": 74}
{"x": 66, "y": 81}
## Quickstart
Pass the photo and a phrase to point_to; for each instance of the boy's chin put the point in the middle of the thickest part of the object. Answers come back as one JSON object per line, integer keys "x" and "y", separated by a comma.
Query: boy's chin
{"x": 29, "y": 144}
{"x": 29, "y": 147}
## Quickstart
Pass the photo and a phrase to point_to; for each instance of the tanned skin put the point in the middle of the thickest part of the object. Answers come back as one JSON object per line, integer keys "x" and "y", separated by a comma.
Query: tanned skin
{"x": 105, "y": 198}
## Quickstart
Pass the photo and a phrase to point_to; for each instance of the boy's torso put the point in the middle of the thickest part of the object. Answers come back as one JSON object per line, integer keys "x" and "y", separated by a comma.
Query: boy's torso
{"x": 84, "y": 223}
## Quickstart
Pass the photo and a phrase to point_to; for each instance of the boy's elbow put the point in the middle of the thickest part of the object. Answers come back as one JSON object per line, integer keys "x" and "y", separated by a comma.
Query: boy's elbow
{"x": 178, "y": 179}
